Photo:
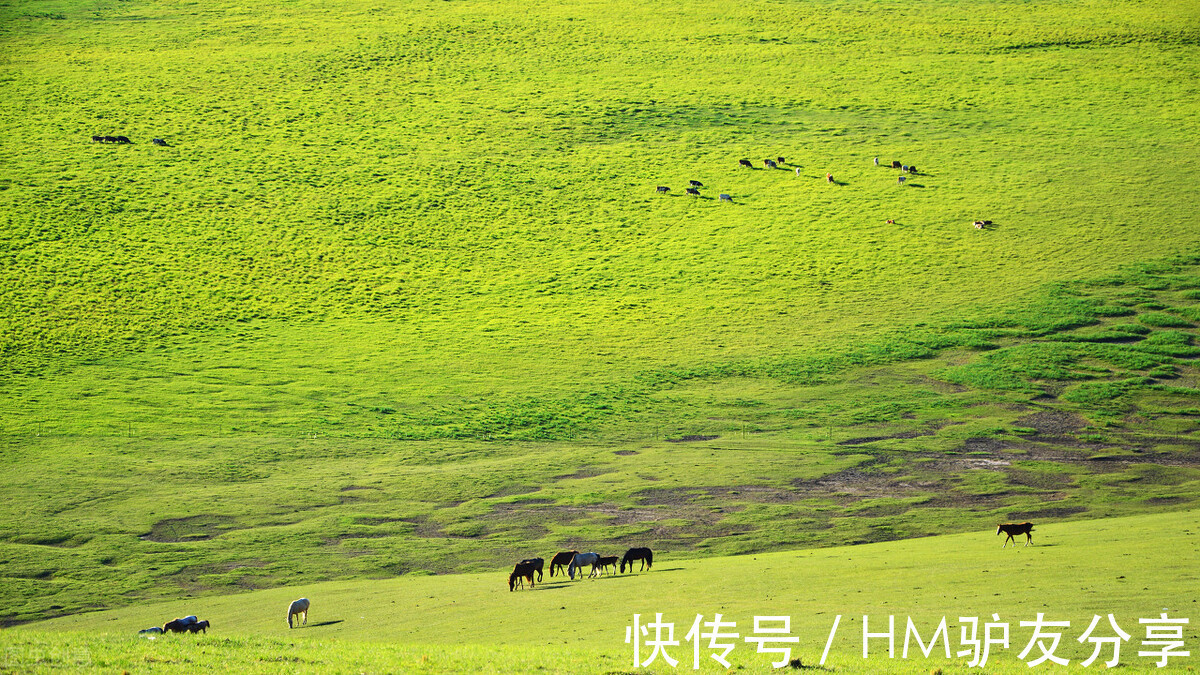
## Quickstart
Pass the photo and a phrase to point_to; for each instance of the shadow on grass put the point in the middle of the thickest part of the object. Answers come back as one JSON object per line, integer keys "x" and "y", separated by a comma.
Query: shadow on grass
{"x": 325, "y": 623}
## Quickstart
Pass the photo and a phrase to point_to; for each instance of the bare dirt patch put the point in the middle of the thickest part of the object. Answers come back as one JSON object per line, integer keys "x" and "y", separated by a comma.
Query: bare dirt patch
{"x": 692, "y": 438}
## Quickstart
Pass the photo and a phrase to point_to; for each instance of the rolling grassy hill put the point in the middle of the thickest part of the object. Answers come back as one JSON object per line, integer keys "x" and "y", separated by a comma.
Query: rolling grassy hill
{"x": 399, "y": 296}
{"x": 1132, "y": 568}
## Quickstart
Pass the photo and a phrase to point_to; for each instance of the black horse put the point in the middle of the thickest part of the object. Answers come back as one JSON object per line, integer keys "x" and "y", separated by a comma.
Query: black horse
{"x": 1016, "y": 528}
{"x": 643, "y": 554}
{"x": 523, "y": 570}
{"x": 537, "y": 564}
{"x": 561, "y": 560}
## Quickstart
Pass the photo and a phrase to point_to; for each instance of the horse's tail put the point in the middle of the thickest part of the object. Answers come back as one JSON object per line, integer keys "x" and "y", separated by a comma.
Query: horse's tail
{"x": 649, "y": 558}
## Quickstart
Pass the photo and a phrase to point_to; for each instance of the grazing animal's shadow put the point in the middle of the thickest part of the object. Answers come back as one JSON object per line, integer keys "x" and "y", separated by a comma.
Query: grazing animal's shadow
{"x": 326, "y": 623}
{"x": 916, "y": 185}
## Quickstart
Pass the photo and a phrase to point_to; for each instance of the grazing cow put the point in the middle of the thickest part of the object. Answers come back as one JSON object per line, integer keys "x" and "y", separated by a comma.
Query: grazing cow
{"x": 97, "y": 139}
{"x": 896, "y": 164}
{"x": 771, "y": 163}
{"x": 695, "y": 183}
{"x": 693, "y": 191}
{"x": 179, "y": 625}
{"x": 912, "y": 169}
{"x": 829, "y": 177}
{"x": 726, "y": 198}
{"x": 608, "y": 561}
{"x": 110, "y": 139}
{"x": 1016, "y": 528}
{"x": 780, "y": 160}
{"x": 122, "y": 139}
{"x": 158, "y": 141}
{"x": 561, "y": 560}
{"x": 901, "y": 180}
{"x": 982, "y": 224}
{"x": 876, "y": 161}
{"x": 199, "y": 627}
{"x": 298, "y": 608}
{"x": 662, "y": 188}
{"x": 890, "y": 221}
{"x": 746, "y": 163}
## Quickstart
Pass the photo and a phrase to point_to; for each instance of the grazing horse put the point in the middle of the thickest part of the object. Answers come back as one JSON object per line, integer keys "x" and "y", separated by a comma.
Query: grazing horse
{"x": 179, "y": 625}
{"x": 199, "y": 627}
{"x": 297, "y": 608}
{"x": 726, "y": 198}
{"x": 643, "y": 554}
{"x": 695, "y": 183}
{"x": 122, "y": 139}
{"x": 97, "y": 139}
{"x": 537, "y": 564}
{"x": 608, "y": 561}
{"x": 1012, "y": 529}
{"x": 110, "y": 139}
{"x": 561, "y": 560}
{"x": 695, "y": 192}
{"x": 524, "y": 570}
{"x": 582, "y": 559}
{"x": 746, "y": 163}
{"x": 896, "y": 164}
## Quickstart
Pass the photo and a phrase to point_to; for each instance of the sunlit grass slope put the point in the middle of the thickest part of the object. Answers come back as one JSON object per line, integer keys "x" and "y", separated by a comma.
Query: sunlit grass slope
{"x": 399, "y": 296}
{"x": 1130, "y": 567}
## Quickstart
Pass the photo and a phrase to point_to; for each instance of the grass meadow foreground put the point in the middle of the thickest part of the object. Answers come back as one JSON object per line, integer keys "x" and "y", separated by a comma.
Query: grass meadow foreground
{"x": 397, "y": 298}
{"x": 1133, "y": 568}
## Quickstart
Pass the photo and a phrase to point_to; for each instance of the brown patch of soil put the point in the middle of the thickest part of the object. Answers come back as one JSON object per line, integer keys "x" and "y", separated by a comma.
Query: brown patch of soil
{"x": 1053, "y": 422}
{"x": 624, "y": 453}
{"x": 585, "y": 472}
{"x": 691, "y": 438}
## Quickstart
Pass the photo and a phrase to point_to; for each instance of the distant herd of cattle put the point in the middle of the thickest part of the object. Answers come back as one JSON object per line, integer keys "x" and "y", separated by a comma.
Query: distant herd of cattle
{"x": 123, "y": 139}
{"x": 778, "y": 162}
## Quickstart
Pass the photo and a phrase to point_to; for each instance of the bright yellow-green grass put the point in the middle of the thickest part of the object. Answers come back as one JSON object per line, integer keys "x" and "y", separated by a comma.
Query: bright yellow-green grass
{"x": 1132, "y": 568}
{"x": 398, "y": 295}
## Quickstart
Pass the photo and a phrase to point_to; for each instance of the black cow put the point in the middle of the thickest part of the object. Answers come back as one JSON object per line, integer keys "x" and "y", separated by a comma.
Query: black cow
{"x": 693, "y": 191}
{"x": 896, "y": 164}
{"x": 696, "y": 183}
{"x": 122, "y": 139}
{"x": 662, "y": 188}
{"x": 746, "y": 163}
{"x": 780, "y": 160}
{"x": 912, "y": 169}
{"x": 97, "y": 139}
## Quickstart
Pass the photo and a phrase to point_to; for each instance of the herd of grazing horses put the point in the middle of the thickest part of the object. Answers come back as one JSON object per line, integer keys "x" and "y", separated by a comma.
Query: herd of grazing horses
{"x": 574, "y": 561}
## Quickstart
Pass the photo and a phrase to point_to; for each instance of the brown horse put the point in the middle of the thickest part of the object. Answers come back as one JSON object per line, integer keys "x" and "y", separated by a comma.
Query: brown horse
{"x": 561, "y": 560}
{"x": 522, "y": 570}
{"x": 1012, "y": 529}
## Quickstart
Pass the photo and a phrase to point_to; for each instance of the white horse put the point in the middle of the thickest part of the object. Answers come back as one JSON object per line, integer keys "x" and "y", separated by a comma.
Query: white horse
{"x": 582, "y": 559}
{"x": 296, "y": 609}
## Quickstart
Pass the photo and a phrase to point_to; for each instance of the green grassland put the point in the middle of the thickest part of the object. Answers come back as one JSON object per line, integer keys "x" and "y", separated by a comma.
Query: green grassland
{"x": 399, "y": 297}
{"x": 1137, "y": 567}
